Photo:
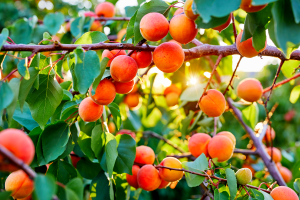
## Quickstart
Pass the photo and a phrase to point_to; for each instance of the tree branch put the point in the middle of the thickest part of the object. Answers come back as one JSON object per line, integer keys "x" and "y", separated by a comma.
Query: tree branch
{"x": 281, "y": 83}
{"x": 232, "y": 77}
{"x": 107, "y": 19}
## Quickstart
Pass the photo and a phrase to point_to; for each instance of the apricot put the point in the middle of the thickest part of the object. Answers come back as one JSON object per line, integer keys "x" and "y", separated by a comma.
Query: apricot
{"x": 247, "y": 6}
{"x": 175, "y": 42}
{"x": 132, "y": 100}
{"x": 144, "y": 155}
{"x": 172, "y": 88}
{"x": 124, "y": 88}
{"x": 26, "y": 198}
{"x": 142, "y": 58}
{"x": 89, "y": 111}
{"x": 270, "y": 134}
{"x": 96, "y": 25}
{"x": 170, "y": 175}
{"x": 249, "y": 167}
{"x": 182, "y": 29}
{"x": 19, "y": 184}
{"x": 121, "y": 34}
{"x": 246, "y": 48}
{"x": 128, "y": 132}
{"x": 188, "y": 11}
{"x": 13, "y": 75}
{"x": 105, "y": 9}
{"x": 178, "y": 11}
{"x": 111, "y": 55}
{"x": 198, "y": 144}
{"x": 229, "y": 135}
{"x": 250, "y": 89}
{"x": 172, "y": 99}
{"x": 105, "y": 92}
{"x": 284, "y": 193}
{"x": 220, "y": 147}
{"x": 154, "y": 26}
{"x": 243, "y": 176}
{"x": 285, "y": 173}
{"x": 276, "y": 154}
{"x": 225, "y": 25}
{"x": 19, "y": 144}
{"x": 68, "y": 26}
{"x": 75, "y": 159}
{"x": 168, "y": 57}
{"x": 148, "y": 178}
{"x": 132, "y": 179}
{"x": 111, "y": 127}
{"x": 213, "y": 103}
{"x": 135, "y": 89}
{"x": 163, "y": 184}
{"x": 123, "y": 69}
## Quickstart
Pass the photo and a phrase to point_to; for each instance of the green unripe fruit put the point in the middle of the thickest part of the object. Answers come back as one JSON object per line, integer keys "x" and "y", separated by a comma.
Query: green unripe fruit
{"x": 243, "y": 176}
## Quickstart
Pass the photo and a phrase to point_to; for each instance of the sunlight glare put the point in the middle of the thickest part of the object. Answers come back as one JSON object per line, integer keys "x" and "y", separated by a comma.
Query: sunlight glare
{"x": 207, "y": 74}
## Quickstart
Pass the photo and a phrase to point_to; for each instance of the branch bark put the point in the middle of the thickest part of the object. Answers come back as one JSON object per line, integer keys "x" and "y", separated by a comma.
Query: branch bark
{"x": 281, "y": 83}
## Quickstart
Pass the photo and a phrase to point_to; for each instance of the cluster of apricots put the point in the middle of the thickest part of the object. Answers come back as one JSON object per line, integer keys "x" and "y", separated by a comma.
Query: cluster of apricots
{"x": 22, "y": 147}
{"x": 172, "y": 94}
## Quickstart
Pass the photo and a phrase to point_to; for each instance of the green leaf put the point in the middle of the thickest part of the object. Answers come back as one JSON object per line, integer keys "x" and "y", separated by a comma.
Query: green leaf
{"x": 150, "y": 98}
{"x": 130, "y": 27}
{"x": 46, "y": 36}
{"x": 44, "y": 187}
{"x": 6, "y": 95}
{"x": 3, "y": 37}
{"x": 111, "y": 152}
{"x": 297, "y": 185}
{"x": 266, "y": 196}
{"x": 68, "y": 109}
{"x": 192, "y": 93}
{"x": 185, "y": 124}
{"x": 14, "y": 85}
{"x": 88, "y": 169}
{"x": 103, "y": 65}
{"x": 111, "y": 191}
{"x": 296, "y": 10}
{"x": 53, "y": 21}
{"x": 5, "y": 195}
{"x": 98, "y": 141}
{"x": 256, "y": 194}
{"x": 21, "y": 31}
{"x": 250, "y": 115}
{"x": 289, "y": 67}
{"x": 295, "y": 94}
{"x": 92, "y": 38}
{"x": 134, "y": 119}
{"x": 23, "y": 69}
{"x": 221, "y": 196}
{"x": 213, "y": 22}
{"x": 99, "y": 188}
{"x": 84, "y": 142}
{"x": 259, "y": 38}
{"x": 231, "y": 182}
{"x": 24, "y": 117}
{"x": 77, "y": 26}
{"x": 62, "y": 171}
{"x": 261, "y": 2}
{"x": 115, "y": 111}
{"x": 76, "y": 186}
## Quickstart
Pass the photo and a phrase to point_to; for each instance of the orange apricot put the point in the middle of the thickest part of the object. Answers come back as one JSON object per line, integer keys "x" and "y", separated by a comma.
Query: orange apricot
{"x": 121, "y": 34}
{"x": 198, "y": 144}
{"x": 250, "y": 89}
{"x": 188, "y": 11}
{"x": 170, "y": 175}
{"x": 142, "y": 58}
{"x": 276, "y": 154}
{"x": 172, "y": 88}
{"x": 75, "y": 159}
{"x": 111, "y": 55}
{"x": 19, "y": 184}
{"x": 178, "y": 11}
{"x": 132, "y": 100}
{"x": 19, "y": 144}
{"x": 148, "y": 178}
{"x": 26, "y": 198}
{"x": 229, "y": 135}
{"x": 285, "y": 173}
{"x": 247, "y": 6}
{"x": 172, "y": 99}
{"x": 220, "y": 147}
{"x": 213, "y": 103}
{"x": 96, "y": 25}
{"x": 225, "y": 25}
{"x": 132, "y": 179}
{"x": 135, "y": 89}
{"x": 111, "y": 127}
{"x": 128, "y": 132}
{"x": 154, "y": 26}
{"x": 105, "y": 92}
{"x": 270, "y": 134}
{"x": 284, "y": 193}
{"x": 144, "y": 155}
{"x": 168, "y": 57}
{"x": 124, "y": 88}
{"x": 163, "y": 184}
{"x": 89, "y": 111}
{"x": 123, "y": 69}
{"x": 105, "y": 9}
{"x": 182, "y": 29}
{"x": 246, "y": 48}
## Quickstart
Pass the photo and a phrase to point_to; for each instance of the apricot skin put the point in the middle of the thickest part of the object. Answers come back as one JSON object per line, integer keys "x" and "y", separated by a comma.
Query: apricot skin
{"x": 89, "y": 111}
{"x": 198, "y": 144}
{"x": 19, "y": 184}
{"x": 163, "y": 184}
{"x": 286, "y": 174}
{"x": 188, "y": 10}
{"x": 123, "y": 69}
{"x": 128, "y": 132}
{"x": 105, "y": 9}
{"x": 250, "y": 89}
{"x": 284, "y": 193}
{"x": 132, "y": 100}
{"x": 105, "y": 92}
{"x": 168, "y": 57}
{"x": 96, "y": 25}
{"x": 229, "y": 135}
{"x": 144, "y": 155}
{"x": 182, "y": 29}
{"x": 124, "y": 88}
{"x": 111, "y": 127}
{"x": 270, "y": 134}
{"x": 246, "y": 6}
{"x": 170, "y": 175}
{"x": 178, "y": 11}
{"x": 213, "y": 103}
{"x": 249, "y": 167}
{"x": 172, "y": 99}
{"x": 154, "y": 26}
{"x": 172, "y": 88}
{"x": 148, "y": 178}
{"x": 75, "y": 159}
{"x": 142, "y": 58}
{"x": 19, "y": 144}
{"x": 220, "y": 147}
{"x": 223, "y": 26}
{"x": 132, "y": 179}
{"x": 276, "y": 154}
{"x": 243, "y": 176}
{"x": 111, "y": 55}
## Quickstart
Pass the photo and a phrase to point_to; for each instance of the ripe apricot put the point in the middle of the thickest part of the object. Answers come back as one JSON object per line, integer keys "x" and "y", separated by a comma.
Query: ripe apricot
{"x": 168, "y": 57}
{"x": 19, "y": 144}
{"x": 144, "y": 155}
{"x": 172, "y": 88}
{"x": 247, "y": 6}
{"x": 225, "y": 25}
{"x": 182, "y": 29}
{"x": 270, "y": 134}
{"x": 154, "y": 26}
{"x": 111, "y": 55}
{"x": 105, "y": 9}
{"x": 170, "y": 175}
{"x": 128, "y": 132}
{"x": 243, "y": 176}
{"x": 134, "y": 90}
{"x": 220, "y": 147}
{"x": 285, "y": 173}
{"x": 246, "y": 48}
{"x": 198, "y": 144}
{"x": 250, "y": 89}
{"x": 105, "y": 92}
{"x": 163, "y": 184}
{"x": 284, "y": 193}
{"x": 132, "y": 100}
{"x": 188, "y": 11}
{"x": 213, "y": 103}
{"x": 276, "y": 154}
{"x": 89, "y": 111}
{"x": 123, "y": 69}
{"x": 124, "y": 88}
{"x": 148, "y": 178}
{"x": 111, "y": 127}
{"x": 19, "y": 184}
{"x": 132, "y": 179}
{"x": 175, "y": 42}
{"x": 229, "y": 135}
{"x": 249, "y": 167}
{"x": 26, "y": 198}
{"x": 172, "y": 99}
{"x": 121, "y": 34}
{"x": 75, "y": 159}
{"x": 142, "y": 58}
{"x": 178, "y": 11}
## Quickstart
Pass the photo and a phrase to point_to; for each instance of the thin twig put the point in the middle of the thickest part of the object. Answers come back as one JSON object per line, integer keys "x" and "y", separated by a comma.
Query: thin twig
{"x": 215, "y": 126}
{"x": 232, "y": 77}
{"x": 234, "y": 27}
{"x": 281, "y": 83}
{"x": 211, "y": 64}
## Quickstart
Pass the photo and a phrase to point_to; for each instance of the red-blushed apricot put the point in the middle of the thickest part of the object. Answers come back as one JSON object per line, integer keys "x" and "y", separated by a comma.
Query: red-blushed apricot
{"x": 243, "y": 176}
{"x": 182, "y": 29}
{"x": 175, "y": 42}
{"x": 276, "y": 154}
{"x": 249, "y": 167}
{"x": 111, "y": 127}
{"x": 168, "y": 57}
{"x": 172, "y": 99}
{"x": 246, "y": 48}
{"x": 229, "y": 135}
{"x": 148, "y": 178}
{"x": 123, "y": 69}
{"x": 75, "y": 159}
{"x": 178, "y": 11}
{"x": 198, "y": 144}
{"x": 225, "y": 25}
{"x": 247, "y": 6}
{"x": 128, "y": 132}
{"x": 220, "y": 147}
{"x": 132, "y": 100}
{"x": 142, "y": 58}
{"x": 170, "y": 175}
{"x": 289, "y": 115}
{"x": 173, "y": 185}
{"x": 284, "y": 193}
{"x": 105, "y": 9}
{"x": 285, "y": 173}
{"x": 250, "y": 89}
{"x": 172, "y": 88}
{"x": 163, "y": 184}
{"x": 111, "y": 55}
{"x": 89, "y": 111}
{"x": 188, "y": 11}
{"x": 135, "y": 89}
{"x": 124, "y": 88}
{"x": 26, "y": 198}
{"x": 105, "y": 92}
{"x": 19, "y": 144}
{"x": 90, "y": 14}
{"x": 270, "y": 134}
{"x": 144, "y": 155}
{"x": 213, "y": 103}
{"x": 19, "y": 184}
{"x": 154, "y": 26}
{"x": 121, "y": 34}
{"x": 132, "y": 179}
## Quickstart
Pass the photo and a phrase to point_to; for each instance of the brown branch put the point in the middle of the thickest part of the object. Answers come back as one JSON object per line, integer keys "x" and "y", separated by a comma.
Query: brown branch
{"x": 232, "y": 77}
{"x": 107, "y": 19}
{"x": 215, "y": 126}
{"x": 150, "y": 66}
{"x": 211, "y": 64}
{"x": 6, "y": 77}
{"x": 234, "y": 27}
{"x": 138, "y": 44}
{"x": 281, "y": 83}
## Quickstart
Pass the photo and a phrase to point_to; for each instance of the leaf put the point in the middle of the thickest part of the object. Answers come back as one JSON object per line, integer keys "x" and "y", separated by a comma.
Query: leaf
{"x": 14, "y": 85}
{"x": 266, "y": 196}
{"x": 261, "y": 2}
{"x": 44, "y": 187}
{"x": 6, "y": 95}
{"x": 111, "y": 152}
{"x": 53, "y": 21}
{"x": 84, "y": 142}
{"x": 98, "y": 141}
{"x": 5, "y": 195}
{"x": 213, "y": 22}
{"x": 92, "y": 38}
{"x": 21, "y": 31}
{"x": 23, "y": 69}
{"x": 295, "y": 94}
{"x": 130, "y": 27}
{"x": 24, "y": 118}
{"x": 192, "y": 93}
{"x": 115, "y": 111}
{"x": 256, "y": 194}
{"x": 289, "y": 67}
{"x": 68, "y": 109}
{"x": 103, "y": 65}
{"x": 231, "y": 182}
{"x": 220, "y": 196}
{"x": 250, "y": 115}
{"x": 134, "y": 119}
{"x": 99, "y": 188}
{"x": 111, "y": 191}
{"x": 62, "y": 171}
{"x": 296, "y": 10}
{"x": 3, "y": 37}
{"x": 88, "y": 169}
{"x": 77, "y": 26}
{"x": 150, "y": 98}
{"x": 185, "y": 124}
{"x": 76, "y": 186}
{"x": 259, "y": 38}
{"x": 297, "y": 185}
